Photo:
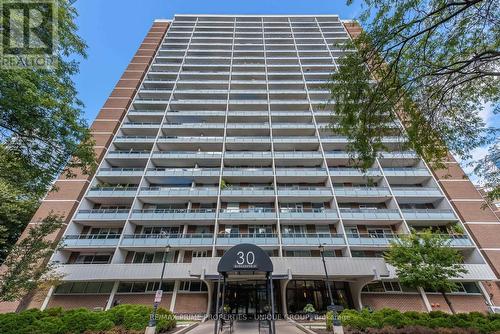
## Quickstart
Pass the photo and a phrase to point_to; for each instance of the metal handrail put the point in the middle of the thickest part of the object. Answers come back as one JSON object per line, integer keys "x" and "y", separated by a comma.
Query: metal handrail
{"x": 104, "y": 211}
{"x": 91, "y": 236}
{"x": 113, "y": 189}
{"x": 246, "y": 235}
{"x": 169, "y": 236}
{"x": 255, "y": 210}
{"x": 303, "y": 210}
{"x": 375, "y": 210}
{"x": 174, "y": 210}
{"x": 115, "y": 169}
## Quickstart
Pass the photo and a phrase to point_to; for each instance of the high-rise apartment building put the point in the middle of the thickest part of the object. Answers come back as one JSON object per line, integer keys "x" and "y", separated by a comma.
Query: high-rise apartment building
{"x": 218, "y": 135}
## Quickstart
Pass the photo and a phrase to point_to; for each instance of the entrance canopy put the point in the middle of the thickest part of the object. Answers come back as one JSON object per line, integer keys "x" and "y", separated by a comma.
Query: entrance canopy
{"x": 245, "y": 257}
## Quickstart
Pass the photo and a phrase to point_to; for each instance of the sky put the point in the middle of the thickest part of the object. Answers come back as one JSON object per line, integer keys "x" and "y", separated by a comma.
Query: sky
{"x": 113, "y": 30}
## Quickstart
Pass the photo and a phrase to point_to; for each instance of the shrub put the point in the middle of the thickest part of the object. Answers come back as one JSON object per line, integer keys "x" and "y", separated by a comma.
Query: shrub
{"x": 391, "y": 321}
{"x": 123, "y": 319}
{"x": 329, "y": 320}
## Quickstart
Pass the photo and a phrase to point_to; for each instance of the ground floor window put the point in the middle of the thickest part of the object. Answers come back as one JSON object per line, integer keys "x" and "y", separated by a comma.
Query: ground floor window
{"x": 299, "y": 293}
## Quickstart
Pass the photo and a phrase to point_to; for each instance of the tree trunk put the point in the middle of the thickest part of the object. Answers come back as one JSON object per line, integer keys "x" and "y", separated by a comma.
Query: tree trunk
{"x": 448, "y": 302}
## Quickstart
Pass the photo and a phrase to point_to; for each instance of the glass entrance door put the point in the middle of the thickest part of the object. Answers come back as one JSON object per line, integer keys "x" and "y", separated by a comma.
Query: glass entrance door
{"x": 248, "y": 300}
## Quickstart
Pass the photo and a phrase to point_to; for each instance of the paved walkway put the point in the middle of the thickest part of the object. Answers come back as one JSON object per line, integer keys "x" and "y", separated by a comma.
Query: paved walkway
{"x": 247, "y": 327}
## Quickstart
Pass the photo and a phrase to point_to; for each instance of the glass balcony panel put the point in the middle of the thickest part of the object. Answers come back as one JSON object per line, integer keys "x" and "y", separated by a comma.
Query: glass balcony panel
{"x": 162, "y": 240}
{"x": 91, "y": 240}
{"x": 253, "y": 238}
{"x": 368, "y": 214}
{"x": 102, "y": 214}
{"x": 312, "y": 239}
{"x": 428, "y": 214}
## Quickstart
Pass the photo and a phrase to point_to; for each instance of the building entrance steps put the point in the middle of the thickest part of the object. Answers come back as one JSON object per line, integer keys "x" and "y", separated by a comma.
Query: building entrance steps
{"x": 247, "y": 327}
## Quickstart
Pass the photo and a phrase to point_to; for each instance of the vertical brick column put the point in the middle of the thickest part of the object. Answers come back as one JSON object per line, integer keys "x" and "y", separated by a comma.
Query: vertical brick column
{"x": 69, "y": 192}
{"x": 478, "y": 217}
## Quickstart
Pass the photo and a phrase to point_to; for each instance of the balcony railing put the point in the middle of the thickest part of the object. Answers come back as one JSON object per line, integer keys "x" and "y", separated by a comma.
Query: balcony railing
{"x": 362, "y": 191}
{"x": 174, "y": 214}
{"x": 102, "y": 214}
{"x": 409, "y": 171}
{"x": 91, "y": 240}
{"x": 428, "y": 214}
{"x": 312, "y": 239}
{"x": 384, "y": 239}
{"x": 112, "y": 191}
{"x": 391, "y": 214}
{"x": 298, "y": 214}
{"x": 254, "y": 238}
{"x": 416, "y": 191}
{"x": 179, "y": 191}
{"x": 172, "y": 239}
{"x": 343, "y": 171}
{"x": 247, "y": 214}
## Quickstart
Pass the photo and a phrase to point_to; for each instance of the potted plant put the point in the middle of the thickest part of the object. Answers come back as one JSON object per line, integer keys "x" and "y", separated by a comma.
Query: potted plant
{"x": 309, "y": 310}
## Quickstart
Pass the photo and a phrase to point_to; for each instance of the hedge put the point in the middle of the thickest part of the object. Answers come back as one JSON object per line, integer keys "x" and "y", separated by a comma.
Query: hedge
{"x": 78, "y": 321}
{"x": 364, "y": 320}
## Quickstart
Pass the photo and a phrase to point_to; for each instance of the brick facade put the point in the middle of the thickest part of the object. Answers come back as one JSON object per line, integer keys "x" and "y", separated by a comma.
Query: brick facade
{"x": 402, "y": 302}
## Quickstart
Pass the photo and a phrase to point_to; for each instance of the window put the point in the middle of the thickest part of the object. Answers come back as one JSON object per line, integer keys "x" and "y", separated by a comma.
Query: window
{"x": 84, "y": 288}
{"x": 141, "y": 257}
{"x": 298, "y": 253}
{"x": 200, "y": 253}
{"x": 192, "y": 286}
{"x": 93, "y": 258}
{"x": 388, "y": 286}
{"x": 141, "y": 287}
{"x": 160, "y": 230}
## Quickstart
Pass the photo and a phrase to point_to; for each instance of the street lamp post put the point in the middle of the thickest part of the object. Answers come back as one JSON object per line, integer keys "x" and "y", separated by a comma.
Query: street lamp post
{"x": 332, "y": 307}
{"x": 159, "y": 292}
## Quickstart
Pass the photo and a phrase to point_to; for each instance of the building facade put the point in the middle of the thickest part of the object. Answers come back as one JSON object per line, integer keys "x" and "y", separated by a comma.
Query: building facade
{"x": 220, "y": 136}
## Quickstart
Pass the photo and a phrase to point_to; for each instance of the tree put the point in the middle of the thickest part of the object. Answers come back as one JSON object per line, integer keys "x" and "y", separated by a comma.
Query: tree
{"x": 426, "y": 260}
{"x": 26, "y": 267}
{"x": 488, "y": 169}
{"x": 433, "y": 64}
{"x": 42, "y": 129}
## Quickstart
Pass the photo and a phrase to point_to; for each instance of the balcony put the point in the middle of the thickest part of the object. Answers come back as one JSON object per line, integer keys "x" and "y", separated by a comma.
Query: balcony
{"x": 162, "y": 240}
{"x": 178, "y": 192}
{"x": 324, "y": 193}
{"x": 371, "y": 239}
{"x": 247, "y": 192}
{"x": 370, "y": 214}
{"x": 313, "y": 214}
{"x": 339, "y": 171}
{"x": 129, "y": 172}
{"x": 261, "y": 239}
{"x": 247, "y": 172}
{"x": 102, "y": 215}
{"x": 429, "y": 214}
{"x": 185, "y": 215}
{"x": 128, "y": 154}
{"x": 184, "y": 172}
{"x": 111, "y": 192}
{"x": 90, "y": 240}
{"x": 406, "y": 172}
{"x": 134, "y": 139}
{"x": 312, "y": 239}
{"x": 297, "y": 155}
{"x": 260, "y": 214}
{"x": 362, "y": 191}
{"x": 191, "y": 139}
{"x": 300, "y": 172}
{"x": 416, "y": 191}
